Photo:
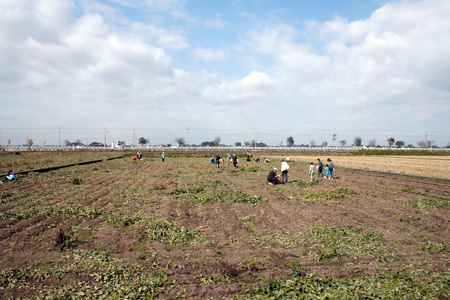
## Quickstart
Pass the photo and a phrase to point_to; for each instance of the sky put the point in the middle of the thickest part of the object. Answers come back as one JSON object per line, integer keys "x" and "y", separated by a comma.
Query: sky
{"x": 111, "y": 70}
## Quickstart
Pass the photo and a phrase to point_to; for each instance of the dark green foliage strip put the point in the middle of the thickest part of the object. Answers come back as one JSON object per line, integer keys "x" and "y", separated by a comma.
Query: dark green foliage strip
{"x": 384, "y": 286}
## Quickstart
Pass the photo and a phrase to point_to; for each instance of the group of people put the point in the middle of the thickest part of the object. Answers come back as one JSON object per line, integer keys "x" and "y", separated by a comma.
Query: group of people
{"x": 329, "y": 168}
{"x": 273, "y": 178}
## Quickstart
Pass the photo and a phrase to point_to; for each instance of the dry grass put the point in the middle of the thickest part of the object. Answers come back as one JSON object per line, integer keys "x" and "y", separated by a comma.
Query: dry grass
{"x": 435, "y": 166}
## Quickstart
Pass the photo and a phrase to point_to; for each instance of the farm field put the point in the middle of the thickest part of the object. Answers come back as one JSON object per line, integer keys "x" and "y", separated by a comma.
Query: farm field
{"x": 183, "y": 229}
{"x": 430, "y": 166}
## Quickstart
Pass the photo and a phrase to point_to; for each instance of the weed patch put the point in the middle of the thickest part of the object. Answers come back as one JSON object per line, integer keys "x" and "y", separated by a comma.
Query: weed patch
{"x": 425, "y": 203}
{"x": 384, "y": 286}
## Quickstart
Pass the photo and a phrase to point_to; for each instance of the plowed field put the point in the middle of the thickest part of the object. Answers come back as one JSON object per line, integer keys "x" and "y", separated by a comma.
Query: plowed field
{"x": 184, "y": 228}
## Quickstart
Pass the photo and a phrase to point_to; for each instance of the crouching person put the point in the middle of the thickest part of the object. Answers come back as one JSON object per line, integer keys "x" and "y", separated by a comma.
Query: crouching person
{"x": 272, "y": 178}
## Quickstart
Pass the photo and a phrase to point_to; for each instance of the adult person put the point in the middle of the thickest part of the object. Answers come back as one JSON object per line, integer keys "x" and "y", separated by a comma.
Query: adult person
{"x": 331, "y": 165}
{"x": 272, "y": 178}
{"x": 163, "y": 156}
{"x": 235, "y": 160}
{"x": 320, "y": 171}
{"x": 284, "y": 170}
{"x": 218, "y": 160}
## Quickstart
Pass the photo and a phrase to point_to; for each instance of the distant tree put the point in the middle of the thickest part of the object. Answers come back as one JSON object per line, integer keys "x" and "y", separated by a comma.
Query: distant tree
{"x": 247, "y": 143}
{"x": 261, "y": 144}
{"x": 399, "y": 144}
{"x": 391, "y": 141}
{"x": 216, "y": 141}
{"x": 324, "y": 143}
{"x": 357, "y": 141}
{"x": 312, "y": 143}
{"x": 238, "y": 144}
{"x": 343, "y": 143}
{"x": 253, "y": 143}
{"x": 67, "y": 142}
{"x": 143, "y": 141}
{"x": 9, "y": 142}
{"x": 207, "y": 143}
{"x": 422, "y": 144}
{"x": 290, "y": 141}
{"x": 180, "y": 141}
{"x": 372, "y": 143}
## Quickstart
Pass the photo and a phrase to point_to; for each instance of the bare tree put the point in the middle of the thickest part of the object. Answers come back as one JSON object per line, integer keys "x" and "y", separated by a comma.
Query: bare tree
{"x": 9, "y": 142}
{"x": 424, "y": 144}
{"x": 312, "y": 143}
{"x": 216, "y": 141}
{"x": 343, "y": 143}
{"x": 372, "y": 143}
{"x": 357, "y": 141}
{"x": 180, "y": 141}
{"x": 247, "y": 143}
{"x": 324, "y": 143}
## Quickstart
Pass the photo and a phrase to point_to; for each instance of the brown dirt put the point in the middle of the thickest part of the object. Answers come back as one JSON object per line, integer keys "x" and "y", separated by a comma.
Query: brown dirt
{"x": 235, "y": 259}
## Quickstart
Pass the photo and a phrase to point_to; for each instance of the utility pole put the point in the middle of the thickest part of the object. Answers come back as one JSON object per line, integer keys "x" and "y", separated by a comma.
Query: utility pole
{"x": 59, "y": 137}
{"x": 256, "y": 138}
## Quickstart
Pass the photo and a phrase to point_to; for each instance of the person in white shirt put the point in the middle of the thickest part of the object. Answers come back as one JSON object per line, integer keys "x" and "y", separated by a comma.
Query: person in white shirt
{"x": 284, "y": 170}
{"x": 311, "y": 171}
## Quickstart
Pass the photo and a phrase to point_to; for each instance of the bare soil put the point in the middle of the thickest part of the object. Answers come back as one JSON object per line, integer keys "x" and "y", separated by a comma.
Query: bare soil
{"x": 236, "y": 258}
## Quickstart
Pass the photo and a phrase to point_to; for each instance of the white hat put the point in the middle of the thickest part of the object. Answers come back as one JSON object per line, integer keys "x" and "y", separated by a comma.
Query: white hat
{"x": 275, "y": 169}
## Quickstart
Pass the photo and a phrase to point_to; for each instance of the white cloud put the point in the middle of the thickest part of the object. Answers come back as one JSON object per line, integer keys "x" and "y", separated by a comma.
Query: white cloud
{"x": 390, "y": 69}
{"x": 208, "y": 54}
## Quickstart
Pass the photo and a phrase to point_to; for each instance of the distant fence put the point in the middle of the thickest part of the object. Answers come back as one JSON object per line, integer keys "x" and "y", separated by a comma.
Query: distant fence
{"x": 210, "y": 149}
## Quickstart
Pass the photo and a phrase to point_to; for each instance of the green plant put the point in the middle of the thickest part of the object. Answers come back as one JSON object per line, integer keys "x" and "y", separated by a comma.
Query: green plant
{"x": 76, "y": 180}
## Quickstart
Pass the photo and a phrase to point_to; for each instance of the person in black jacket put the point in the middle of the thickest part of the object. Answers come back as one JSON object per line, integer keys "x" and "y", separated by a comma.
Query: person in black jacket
{"x": 218, "y": 160}
{"x": 272, "y": 178}
{"x": 235, "y": 160}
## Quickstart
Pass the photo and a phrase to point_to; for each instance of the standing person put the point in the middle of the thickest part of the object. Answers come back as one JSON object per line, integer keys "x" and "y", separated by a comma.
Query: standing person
{"x": 235, "y": 160}
{"x": 248, "y": 155}
{"x": 327, "y": 172}
{"x": 284, "y": 170}
{"x": 272, "y": 178}
{"x": 331, "y": 168}
{"x": 163, "y": 156}
{"x": 311, "y": 171}
{"x": 218, "y": 160}
{"x": 320, "y": 171}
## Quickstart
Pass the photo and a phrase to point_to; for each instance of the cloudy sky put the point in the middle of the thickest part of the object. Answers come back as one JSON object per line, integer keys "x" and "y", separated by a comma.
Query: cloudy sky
{"x": 238, "y": 69}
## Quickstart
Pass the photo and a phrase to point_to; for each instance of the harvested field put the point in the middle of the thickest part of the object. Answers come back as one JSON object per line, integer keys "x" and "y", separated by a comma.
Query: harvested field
{"x": 434, "y": 166}
{"x": 185, "y": 229}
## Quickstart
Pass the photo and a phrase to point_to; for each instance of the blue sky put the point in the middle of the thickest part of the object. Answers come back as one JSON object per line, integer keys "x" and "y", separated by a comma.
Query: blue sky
{"x": 236, "y": 69}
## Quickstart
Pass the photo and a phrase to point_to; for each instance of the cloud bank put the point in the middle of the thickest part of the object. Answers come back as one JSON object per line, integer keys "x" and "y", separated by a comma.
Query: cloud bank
{"x": 88, "y": 64}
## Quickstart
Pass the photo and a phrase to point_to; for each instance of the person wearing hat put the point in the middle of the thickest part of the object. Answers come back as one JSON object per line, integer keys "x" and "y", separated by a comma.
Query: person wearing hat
{"x": 272, "y": 178}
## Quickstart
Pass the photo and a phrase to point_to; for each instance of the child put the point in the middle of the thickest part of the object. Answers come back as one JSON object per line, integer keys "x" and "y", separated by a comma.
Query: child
{"x": 11, "y": 176}
{"x": 311, "y": 171}
{"x": 327, "y": 173}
